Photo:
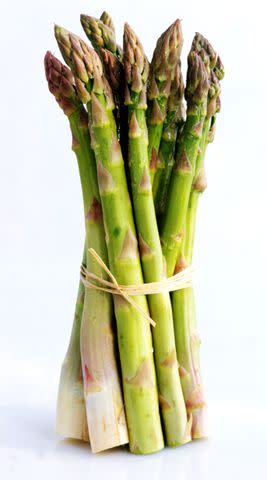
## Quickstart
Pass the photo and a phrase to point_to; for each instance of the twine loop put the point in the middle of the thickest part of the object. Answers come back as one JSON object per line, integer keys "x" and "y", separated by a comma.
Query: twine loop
{"x": 178, "y": 281}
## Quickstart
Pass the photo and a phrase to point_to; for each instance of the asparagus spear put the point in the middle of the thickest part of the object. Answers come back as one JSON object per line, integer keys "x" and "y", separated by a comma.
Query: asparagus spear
{"x": 215, "y": 70}
{"x": 170, "y": 392}
{"x": 134, "y": 336}
{"x": 71, "y": 414}
{"x": 187, "y": 342}
{"x": 164, "y": 61}
{"x": 172, "y": 127}
{"x": 183, "y": 174}
{"x": 213, "y": 107}
{"x": 103, "y": 398}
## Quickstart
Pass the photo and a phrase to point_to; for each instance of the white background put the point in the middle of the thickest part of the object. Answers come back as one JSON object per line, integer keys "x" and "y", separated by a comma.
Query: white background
{"x": 42, "y": 237}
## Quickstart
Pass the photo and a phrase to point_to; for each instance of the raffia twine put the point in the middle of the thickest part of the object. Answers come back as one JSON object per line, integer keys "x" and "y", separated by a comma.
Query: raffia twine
{"x": 178, "y": 281}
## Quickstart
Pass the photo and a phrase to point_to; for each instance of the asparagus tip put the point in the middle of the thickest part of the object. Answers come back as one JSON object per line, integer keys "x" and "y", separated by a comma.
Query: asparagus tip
{"x": 136, "y": 65}
{"x": 107, "y": 20}
{"x": 63, "y": 39}
{"x": 83, "y": 60}
{"x": 197, "y": 81}
{"x": 219, "y": 69}
{"x": 100, "y": 34}
{"x": 167, "y": 51}
{"x": 208, "y": 55}
{"x": 61, "y": 83}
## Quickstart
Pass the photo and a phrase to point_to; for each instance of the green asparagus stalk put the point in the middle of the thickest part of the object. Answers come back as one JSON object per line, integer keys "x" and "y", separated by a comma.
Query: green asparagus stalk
{"x": 103, "y": 397}
{"x": 170, "y": 392}
{"x": 183, "y": 302}
{"x": 71, "y": 413}
{"x": 215, "y": 71}
{"x": 184, "y": 170}
{"x": 162, "y": 69}
{"x": 134, "y": 336}
{"x": 172, "y": 127}
{"x": 207, "y": 136}
{"x": 187, "y": 340}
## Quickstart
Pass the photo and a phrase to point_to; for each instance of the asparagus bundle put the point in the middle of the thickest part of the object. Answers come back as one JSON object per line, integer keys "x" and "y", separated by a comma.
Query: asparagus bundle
{"x": 128, "y": 117}
{"x": 134, "y": 335}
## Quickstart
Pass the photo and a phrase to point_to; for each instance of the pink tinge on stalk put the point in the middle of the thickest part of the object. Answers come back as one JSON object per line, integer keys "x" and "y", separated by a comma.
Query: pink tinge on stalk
{"x": 199, "y": 425}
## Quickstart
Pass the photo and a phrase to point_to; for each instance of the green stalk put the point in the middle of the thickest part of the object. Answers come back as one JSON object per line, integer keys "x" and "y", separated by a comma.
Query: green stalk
{"x": 170, "y": 392}
{"x": 102, "y": 392}
{"x": 172, "y": 127}
{"x": 184, "y": 170}
{"x": 164, "y": 61}
{"x": 71, "y": 419}
{"x": 187, "y": 340}
{"x": 134, "y": 336}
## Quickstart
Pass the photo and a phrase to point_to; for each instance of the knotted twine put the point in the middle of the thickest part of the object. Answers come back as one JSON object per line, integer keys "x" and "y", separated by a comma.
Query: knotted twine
{"x": 178, "y": 281}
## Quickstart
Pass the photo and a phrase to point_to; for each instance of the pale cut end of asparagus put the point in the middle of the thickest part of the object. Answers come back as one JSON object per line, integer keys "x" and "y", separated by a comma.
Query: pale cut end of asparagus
{"x": 200, "y": 423}
{"x": 71, "y": 420}
{"x": 105, "y": 435}
{"x": 102, "y": 389}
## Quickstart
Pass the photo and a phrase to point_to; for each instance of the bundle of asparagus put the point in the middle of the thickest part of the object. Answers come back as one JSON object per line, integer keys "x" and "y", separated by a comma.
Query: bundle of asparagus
{"x": 140, "y": 157}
